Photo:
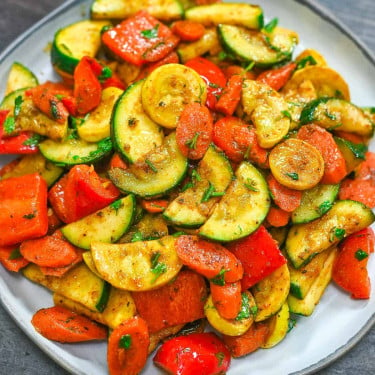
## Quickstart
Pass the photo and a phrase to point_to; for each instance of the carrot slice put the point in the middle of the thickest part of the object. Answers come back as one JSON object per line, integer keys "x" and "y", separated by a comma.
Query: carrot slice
{"x": 128, "y": 347}
{"x": 155, "y": 205}
{"x": 194, "y": 130}
{"x": 277, "y": 78}
{"x": 286, "y": 198}
{"x": 60, "y": 271}
{"x": 278, "y": 217}
{"x": 187, "y": 30}
{"x": 209, "y": 259}
{"x": 117, "y": 162}
{"x": 231, "y": 95}
{"x": 334, "y": 162}
{"x": 57, "y": 323}
{"x": 12, "y": 259}
{"x": 227, "y": 299}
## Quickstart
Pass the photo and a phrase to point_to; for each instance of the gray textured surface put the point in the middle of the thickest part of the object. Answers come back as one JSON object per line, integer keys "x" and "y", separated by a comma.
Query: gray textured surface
{"x": 18, "y": 355}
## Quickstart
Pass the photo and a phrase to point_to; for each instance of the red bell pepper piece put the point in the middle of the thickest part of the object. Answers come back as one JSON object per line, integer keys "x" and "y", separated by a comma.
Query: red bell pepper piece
{"x": 231, "y": 95}
{"x": 11, "y": 258}
{"x": 197, "y": 353}
{"x": 140, "y": 39}
{"x": 80, "y": 193}
{"x": 259, "y": 255}
{"x": 277, "y": 78}
{"x": 350, "y": 268}
{"x": 23, "y": 208}
{"x": 212, "y": 75}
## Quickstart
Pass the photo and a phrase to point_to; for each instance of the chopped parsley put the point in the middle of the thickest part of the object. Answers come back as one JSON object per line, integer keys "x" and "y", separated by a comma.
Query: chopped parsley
{"x": 195, "y": 175}
{"x": 116, "y": 205}
{"x": 331, "y": 116}
{"x": 132, "y": 121}
{"x": 157, "y": 267}
{"x": 15, "y": 254}
{"x": 33, "y": 140}
{"x": 360, "y": 254}
{"x": 54, "y": 110}
{"x": 9, "y": 125}
{"x": 222, "y": 55}
{"x": 246, "y": 311}
{"x": 294, "y": 176}
{"x": 220, "y": 358}
{"x": 286, "y": 114}
{"x": 29, "y": 216}
{"x": 17, "y": 105}
{"x": 125, "y": 341}
{"x": 105, "y": 74}
{"x": 137, "y": 236}
{"x": 250, "y": 184}
{"x": 219, "y": 278}
{"x": 210, "y": 193}
{"x": 250, "y": 66}
{"x": 358, "y": 149}
{"x": 324, "y": 207}
{"x": 192, "y": 143}
{"x": 152, "y": 166}
{"x": 151, "y": 33}
{"x": 308, "y": 60}
{"x": 270, "y": 26}
{"x": 188, "y": 185}
{"x": 337, "y": 233}
{"x": 291, "y": 324}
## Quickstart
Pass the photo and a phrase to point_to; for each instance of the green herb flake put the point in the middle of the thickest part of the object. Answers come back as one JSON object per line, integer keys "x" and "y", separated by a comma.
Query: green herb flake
{"x": 54, "y": 110}
{"x": 331, "y": 116}
{"x": 210, "y": 193}
{"x": 219, "y": 278}
{"x": 15, "y": 254}
{"x": 250, "y": 66}
{"x": 59, "y": 96}
{"x": 151, "y": 33}
{"x": 287, "y": 114}
{"x": 29, "y": 216}
{"x": 116, "y": 205}
{"x": 294, "y": 176}
{"x": 192, "y": 143}
{"x": 251, "y": 185}
{"x": 245, "y": 312}
{"x": 360, "y": 254}
{"x": 270, "y": 26}
{"x": 308, "y": 60}
{"x": 187, "y": 186}
{"x": 157, "y": 267}
{"x": 338, "y": 94}
{"x": 125, "y": 341}
{"x": 17, "y": 105}
{"x": 9, "y": 125}
{"x": 195, "y": 175}
{"x": 358, "y": 149}
{"x": 152, "y": 166}
{"x": 337, "y": 233}
{"x": 220, "y": 358}
{"x": 105, "y": 74}
{"x": 132, "y": 121}
{"x": 137, "y": 236}
{"x": 222, "y": 55}
{"x": 178, "y": 234}
{"x": 33, "y": 140}
{"x": 324, "y": 207}
{"x": 291, "y": 324}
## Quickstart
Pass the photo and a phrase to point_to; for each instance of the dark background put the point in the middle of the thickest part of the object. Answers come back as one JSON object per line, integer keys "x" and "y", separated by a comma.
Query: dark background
{"x": 18, "y": 355}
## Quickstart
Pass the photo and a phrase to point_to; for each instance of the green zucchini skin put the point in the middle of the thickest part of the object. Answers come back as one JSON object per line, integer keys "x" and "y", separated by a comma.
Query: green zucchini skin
{"x": 339, "y": 114}
{"x": 20, "y": 77}
{"x": 156, "y": 174}
{"x": 241, "y": 209}
{"x": 353, "y": 153}
{"x": 134, "y": 134}
{"x": 75, "y": 151}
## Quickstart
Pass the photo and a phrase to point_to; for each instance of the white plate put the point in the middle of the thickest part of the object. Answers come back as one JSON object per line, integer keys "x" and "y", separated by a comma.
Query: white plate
{"x": 338, "y": 321}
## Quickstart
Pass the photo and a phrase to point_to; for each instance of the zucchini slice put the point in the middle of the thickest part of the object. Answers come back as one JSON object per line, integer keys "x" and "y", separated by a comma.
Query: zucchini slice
{"x": 242, "y": 209}
{"x": 307, "y": 305}
{"x": 75, "y": 151}
{"x": 261, "y": 48}
{"x": 106, "y": 225}
{"x": 134, "y": 134}
{"x": 339, "y": 114}
{"x": 36, "y": 163}
{"x": 120, "y": 307}
{"x": 302, "y": 279}
{"x": 246, "y": 15}
{"x": 164, "y": 10}
{"x": 160, "y": 171}
{"x": 79, "y": 284}
{"x": 137, "y": 266}
{"x": 354, "y": 154}
{"x": 74, "y": 41}
{"x": 97, "y": 125}
{"x": 20, "y": 77}
{"x": 188, "y": 210}
{"x": 305, "y": 241}
{"x": 168, "y": 89}
{"x": 315, "y": 203}
{"x": 271, "y": 293}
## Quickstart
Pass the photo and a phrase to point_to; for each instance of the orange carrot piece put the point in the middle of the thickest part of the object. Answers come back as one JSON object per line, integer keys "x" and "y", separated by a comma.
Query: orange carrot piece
{"x": 178, "y": 302}
{"x": 277, "y": 78}
{"x": 53, "y": 221}
{"x": 187, "y": 30}
{"x": 58, "y": 323}
{"x": 155, "y": 205}
{"x": 227, "y": 299}
{"x": 231, "y": 70}
{"x": 278, "y": 217}
{"x": 49, "y": 251}
{"x": 209, "y": 259}
{"x": 334, "y": 162}
{"x": 61, "y": 271}
{"x": 128, "y": 347}
{"x": 231, "y": 95}
{"x": 194, "y": 130}
{"x": 249, "y": 341}
{"x": 117, "y": 162}
{"x": 11, "y": 258}
{"x": 287, "y": 199}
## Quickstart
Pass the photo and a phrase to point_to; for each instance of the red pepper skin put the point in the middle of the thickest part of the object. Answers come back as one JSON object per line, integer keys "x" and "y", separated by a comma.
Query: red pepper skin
{"x": 23, "y": 208}
{"x": 12, "y": 264}
{"x": 80, "y": 193}
{"x": 140, "y": 39}
{"x": 212, "y": 75}
{"x": 350, "y": 269}
{"x": 277, "y": 78}
{"x": 197, "y": 353}
{"x": 259, "y": 255}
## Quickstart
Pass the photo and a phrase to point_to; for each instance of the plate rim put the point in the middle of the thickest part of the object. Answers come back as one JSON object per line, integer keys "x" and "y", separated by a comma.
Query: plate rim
{"x": 323, "y": 13}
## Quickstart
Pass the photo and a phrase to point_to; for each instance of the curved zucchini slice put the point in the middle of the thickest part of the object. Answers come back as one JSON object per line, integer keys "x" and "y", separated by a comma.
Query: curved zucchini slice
{"x": 189, "y": 209}
{"x": 261, "y": 48}
{"x": 137, "y": 266}
{"x": 75, "y": 151}
{"x": 106, "y": 225}
{"x": 271, "y": 293}
{"x": 79, "y": 284}
{"x": 305, "y": 241}
{"x": 36, "y": 163}
{"x": 246, "y": 15}
{"x": 353, "y": 153}
{"x": 97, "y": 125}
{"x": 164, "y": 10}
{"x": 339, "y": 114}
{"x": 242, "y": 208}
{"x": 20, "y": 77}
{"x": 160, "y": 171}
{"x": 8, "y": 102}
{"x": 315, "y": 203}
{"x": 306, "y": 306}
{"x": 134, "y": 134}
{"x": 74, "y": 41}
{"x": 168, "y": 89}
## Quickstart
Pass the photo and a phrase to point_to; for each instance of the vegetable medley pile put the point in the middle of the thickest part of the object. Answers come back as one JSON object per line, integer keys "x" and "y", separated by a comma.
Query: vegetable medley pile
{"x": 185, "y": 169}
